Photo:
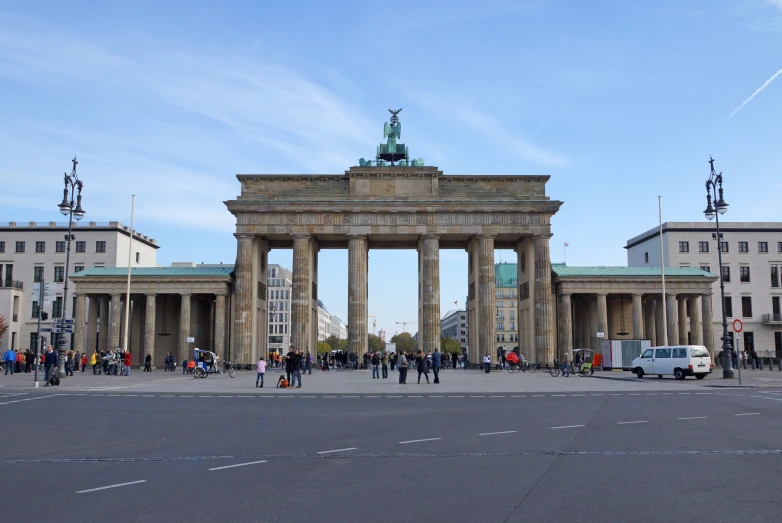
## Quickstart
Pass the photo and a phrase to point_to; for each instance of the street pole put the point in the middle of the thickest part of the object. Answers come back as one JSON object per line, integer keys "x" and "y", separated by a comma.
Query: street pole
{"x": 738, "y": 353}
{"x": 127, "y": 292}
{"x": 42, "y": 284}
{"x": 662, "y": 271}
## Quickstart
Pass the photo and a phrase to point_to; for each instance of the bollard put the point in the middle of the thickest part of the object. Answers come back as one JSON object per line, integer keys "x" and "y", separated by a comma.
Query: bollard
{"x": 779, "y": 362}
{"x": 744, "y": 364}
{"x": 761, "y": 363}
{"x": 771, "y": 364}
{"x": 754, "y": 364}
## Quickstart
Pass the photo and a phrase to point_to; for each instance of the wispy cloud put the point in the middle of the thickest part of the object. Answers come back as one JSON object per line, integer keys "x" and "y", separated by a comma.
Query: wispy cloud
{"x": 753, "y": 95}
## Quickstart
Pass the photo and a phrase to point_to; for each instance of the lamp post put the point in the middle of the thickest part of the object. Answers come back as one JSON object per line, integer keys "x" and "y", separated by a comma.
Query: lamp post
{"x": 714, "y": 188}
{"x": 272, "y": 319}
{"x": 68, "y": 209}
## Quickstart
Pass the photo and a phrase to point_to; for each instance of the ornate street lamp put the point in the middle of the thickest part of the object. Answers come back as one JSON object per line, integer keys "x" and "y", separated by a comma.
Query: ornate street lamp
{"x": 67, "y": 208}
{"x": 714, "y": 188}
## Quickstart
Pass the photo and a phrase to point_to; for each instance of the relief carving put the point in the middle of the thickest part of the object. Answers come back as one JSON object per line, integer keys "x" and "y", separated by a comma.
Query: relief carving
{"x": 441, "y": 219}
{"x": 404, "y": 219}
{"x": 459, "y": 219}
{"x": 496, "y": 219}
{"x": 384, "y": 219}
{"x": 328, "y": 219}
{"x": 420, "y": 219}
{"x": 347, "y": 219}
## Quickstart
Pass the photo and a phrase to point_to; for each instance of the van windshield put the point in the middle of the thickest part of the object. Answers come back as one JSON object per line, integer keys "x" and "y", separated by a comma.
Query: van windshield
{"x": 699, "y": 352}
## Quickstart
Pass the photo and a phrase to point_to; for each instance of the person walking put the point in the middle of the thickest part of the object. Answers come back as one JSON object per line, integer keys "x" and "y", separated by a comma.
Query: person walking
{"x": 69, "y": 363}
{"x": 83, "y": 362}
{"x": 455, "y": 359}
{"x": 401, "y": 364}
{"x": 148, "y": 363}
{"x": 128, "y": 362}
{"x": 437, "y": 361}
{"x": 307, "y": 363}
{"x": 296, "y": 368}
{"x": 50, "y": 365}
{"x": 289, "y": 364}
{"x": 384, "y": 364}
{"x": 375, "y": 366}
{"x": 261, "y": 368}
{"x": 487, "y": 362}
{"x": 94, "y": 362}
{"x": 9, "y": 359}
{"x": 565, "y": 369}
{"x": 421, "y": 365}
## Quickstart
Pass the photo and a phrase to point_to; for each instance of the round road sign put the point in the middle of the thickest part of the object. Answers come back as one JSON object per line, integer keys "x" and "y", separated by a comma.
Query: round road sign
{"x": 737, "y": 326}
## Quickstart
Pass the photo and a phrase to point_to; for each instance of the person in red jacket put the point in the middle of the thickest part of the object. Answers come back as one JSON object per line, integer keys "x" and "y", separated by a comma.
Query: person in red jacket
{"x": 83, "y": 362}
{"x": 127, "y": 363}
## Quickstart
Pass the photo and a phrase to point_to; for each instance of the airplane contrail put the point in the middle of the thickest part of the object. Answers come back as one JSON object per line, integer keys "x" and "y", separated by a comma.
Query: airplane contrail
{"x": 757, "y": 91}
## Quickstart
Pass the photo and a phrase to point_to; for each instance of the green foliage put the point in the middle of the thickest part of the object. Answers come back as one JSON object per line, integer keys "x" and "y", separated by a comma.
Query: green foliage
{"x": 376, "y": 344}
{"x": 3, "y": 326}
{"x": 323, "y": 347}
{"x": 404, "y": 342}
{"x": 450, "y": 345}
{"x": 336, "y": 343}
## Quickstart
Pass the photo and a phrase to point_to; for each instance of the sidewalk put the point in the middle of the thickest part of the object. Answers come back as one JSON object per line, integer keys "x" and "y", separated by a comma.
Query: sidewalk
{"x": 360, "y": 382}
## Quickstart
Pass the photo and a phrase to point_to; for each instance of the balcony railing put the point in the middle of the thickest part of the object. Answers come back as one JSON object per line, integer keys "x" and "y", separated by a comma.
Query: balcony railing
{"x": 12, "y": 284}
{"x": 772, "y": 318}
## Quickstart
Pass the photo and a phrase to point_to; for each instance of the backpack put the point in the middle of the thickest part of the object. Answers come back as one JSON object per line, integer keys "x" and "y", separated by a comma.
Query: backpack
{"x": 282, "y": 383}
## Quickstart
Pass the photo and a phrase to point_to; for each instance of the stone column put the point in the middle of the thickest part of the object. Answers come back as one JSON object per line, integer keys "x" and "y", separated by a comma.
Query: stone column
{"x": 219, "y": 329}
{"x": 184, "y": 328}
{"x": 682, "y": 301}
{"x": 114, "y": 320}
{"x": 78, "y": 323}
{"x": 358, "y": 338}
{"x": 696, "y": 333}
{"x": 244, "y": 300}
{"x": 301, "y": 294}
{"x": 429, "y": 281}
{"x": 105, "y": 325}
{"x": 638, "y": 322}
{"x": 659, "y": 321}
{"x": 708, "y": 328}
{"x": 544, "y": 307}
{"x": 671, "y": 316}
{"x": 92, "y": 324}
{"x": 149, "y": 328}
{"x": 650, "y": 327}
{"x": 487, "y": 299}
{"x": 602, "y": 316}
{"x": 565, "y": 324}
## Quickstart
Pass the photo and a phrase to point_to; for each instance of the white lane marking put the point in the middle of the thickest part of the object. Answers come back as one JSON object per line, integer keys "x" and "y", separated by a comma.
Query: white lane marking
{"x": 247, "y": 396}
{"x": 477, "y": 396}
{"x": 634, "y": 394}
{"x": 518, "y": 396}
{"x": 130, "y": 395}
{"x": 408, "y": 396}
{"x": 455, "y": 396}
{"x": 496, "y": 396}
{"x": 538, "y": 395}
{"x": 748, "y": 414}
{"x": 308, "y": 397}
{"x": 667, "y": 393}
{"x": 495, "y": 433}
{"x": 630, "y": 422}
{"x": 436, "y": 396}
{"x": 204, "y": 396}
{"x": 329, "y": 396}
{"x": 615, "y": 394}
{"x": 599, "y": 394}
{"x": 574, "y": 395}
{"x": 112, "y": 486}
{"x": 148, "y": 396}
{"x": 558, "y": 395}
{"x": 567, "y": 427}
{"x": 26, "y": 399}
{"x": 335, "y": 450}
{"x": 418, "y": 440}
{"x": 172, "y": 396}
{"x": 767, "y": 398}
{"x": 651, "y": 394}
{"x": 684, "y": 393}
{"x": 350, "y": 396}
{"x": 703, "y": 393}
{"x": 185, "y": 396}
{"x": 238, "y": 465}
{"x": 120, "y": 395}
{"x": 386, "y": 396}
{"x": 695, "y": 417}
{"x": 220, "y": 396}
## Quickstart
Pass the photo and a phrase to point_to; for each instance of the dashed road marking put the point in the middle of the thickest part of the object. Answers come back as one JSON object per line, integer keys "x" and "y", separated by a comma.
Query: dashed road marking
{"x": 630, "y": 422}
{"x": 336, "y": 450}
{"x": 238, "y": 465}
{"x": 748, "y": 414}
{"x": 112, "y": 486}
{"x": 694, "y": 417}
{"x": 496, "y": 433}
{"x": 25, "y": 399}
{"x": 418, "y": 440}
{"x": 767, "y": 398}
{"x": 567, "y": 427}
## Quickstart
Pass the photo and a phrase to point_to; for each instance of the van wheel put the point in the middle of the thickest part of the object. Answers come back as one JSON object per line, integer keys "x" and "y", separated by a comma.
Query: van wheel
{"x": 678, "y": 374}
{"x": 700, "y": 376}
{"x": 639, "y": 372}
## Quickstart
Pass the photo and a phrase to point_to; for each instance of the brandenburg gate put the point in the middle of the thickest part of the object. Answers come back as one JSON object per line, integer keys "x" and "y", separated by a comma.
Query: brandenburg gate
{"x": 394, "y": 202}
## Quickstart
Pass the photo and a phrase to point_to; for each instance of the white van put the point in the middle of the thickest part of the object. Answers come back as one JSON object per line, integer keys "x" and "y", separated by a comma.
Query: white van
{"x": 679, "y": 360}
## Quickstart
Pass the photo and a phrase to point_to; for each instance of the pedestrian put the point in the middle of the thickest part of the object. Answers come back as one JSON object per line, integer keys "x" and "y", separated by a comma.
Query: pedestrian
{"x": 421, "y": 365}
{"x": 375, "y": 366}
{"x": 128, "y": 362}
{"x": 565, "y": 369}
{"x": 455, "y": 359}
{"x": 9, "y": 358}
{"x": 94, "y": 362}
{"x": 384, "y": 364}
{"x": 354, "y": 360}
{"x": 148, "y": 363}
{"x": 50, "y": 365}
{"x": 289, "y": 364}
{"x": 325, "y": 363}
{"x": 261, "y": 368}
{"x": 18, "y": 358}
{"x": 184, "y": 365}
{"x": 401, "y": 364}
{"x": 76, "y": 362}
{"x": 296, "y": 364}
{"x": 83, "y": 362}
{"x": 487, "y": 363}
{"x": 308, "y": 363}
{"x": 437, "y": 360}
{"x": 69, "y": 363}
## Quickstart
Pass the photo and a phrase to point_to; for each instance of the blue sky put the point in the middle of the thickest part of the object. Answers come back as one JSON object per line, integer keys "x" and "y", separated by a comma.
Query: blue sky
{"x": 618, "y": 101}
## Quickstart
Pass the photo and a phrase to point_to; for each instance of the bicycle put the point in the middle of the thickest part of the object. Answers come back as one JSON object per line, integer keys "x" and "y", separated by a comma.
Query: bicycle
{"x": 527, "y": 366}
{"x": 555, "y": 370}
{"x": 514, "y": 367}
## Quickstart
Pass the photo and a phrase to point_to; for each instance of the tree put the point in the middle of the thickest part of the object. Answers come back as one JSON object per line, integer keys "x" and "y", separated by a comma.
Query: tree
{"x": 404, "y": 342}
{"x": 323, "y": 347}
{"x": 450, "y": 345}
{"x": 3, "y": 326}
{"x": 336, "y": 343}
{"x": 376, "y": 344}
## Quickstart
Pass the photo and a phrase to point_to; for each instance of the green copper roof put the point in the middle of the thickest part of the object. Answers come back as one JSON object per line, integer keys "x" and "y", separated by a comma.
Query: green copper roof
{"x": 505, "y": 273}
{"x": 157, "y": 271}
{"x": 600, "y": 271}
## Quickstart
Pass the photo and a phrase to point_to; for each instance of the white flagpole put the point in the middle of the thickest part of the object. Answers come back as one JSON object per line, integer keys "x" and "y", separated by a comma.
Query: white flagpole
{"x": 662, "y": 271}
{"x": 130, "y": 254}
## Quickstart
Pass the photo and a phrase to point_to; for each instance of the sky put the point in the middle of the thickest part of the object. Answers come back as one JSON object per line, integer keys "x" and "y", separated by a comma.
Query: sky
{"x": 617, "y": 101}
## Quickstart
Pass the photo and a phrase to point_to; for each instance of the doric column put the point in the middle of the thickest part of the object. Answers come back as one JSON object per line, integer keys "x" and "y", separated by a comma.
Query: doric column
{"x": 358, "y": 338}
{"x": 429, "y": 282}
{"x": 708, "y": 328}
{"x": 638, "y": 321}
{"x": 602, "y": 316}
{"x": 650, "y": 327}
{"x": 544, "y": 310}
{"x": 659, "y": 321}
{"x": 149, "y": 328}
{"x": 302, "y": 320}
{"x": 220, "y": 326}
{"x": 696, "y": 332}
{"x": 487, "y": 299}
{"x": 78, "y": 323}
{"x": 565, "y": 325}
{"x": 92, "y": 324}
{"x": 682, "y": 301}
{"x": 244, "y": 298}
{"x": 105, "y": 325}
{"x": 673, "y": 323}
{"x": 114, "y": 320}
{"x": 184, "y": 328}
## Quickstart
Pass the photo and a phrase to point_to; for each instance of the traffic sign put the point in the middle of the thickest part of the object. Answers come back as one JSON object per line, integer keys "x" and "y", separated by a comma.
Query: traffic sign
{"x": 46, "y": 330}
{"x": 62, "y": 341}
{"x": 190, "y": 339}
{"x": 737, "y": 325}
{"x": 60, "y": 320}
{"x": 601, "y": 335}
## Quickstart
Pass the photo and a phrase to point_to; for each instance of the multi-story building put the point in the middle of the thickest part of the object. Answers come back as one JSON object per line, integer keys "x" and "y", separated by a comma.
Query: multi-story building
{"x": 454, "y": 325}
{"x": 506, "y": 288}
{"x": 279, "y": 282}
{"x": 30, "y": 252}
{"x": 752, "y": 269}
{"x": 329, "y": 325}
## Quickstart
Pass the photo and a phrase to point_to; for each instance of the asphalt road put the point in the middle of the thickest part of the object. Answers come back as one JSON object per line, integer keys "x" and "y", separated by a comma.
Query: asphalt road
{"x": 551, "y": 457}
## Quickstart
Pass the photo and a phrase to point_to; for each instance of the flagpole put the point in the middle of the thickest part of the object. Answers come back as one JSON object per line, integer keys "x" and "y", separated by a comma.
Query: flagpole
{"x": 662, "y": 272}
{"x": 127, "y": 294}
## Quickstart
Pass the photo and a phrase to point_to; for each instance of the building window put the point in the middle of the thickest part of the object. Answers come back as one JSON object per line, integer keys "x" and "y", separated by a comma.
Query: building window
{"x": 498, "y": 282}
{"x": 744, "y": 274}
{"x": 138, "y": 257}
{"x": 779, "y": 246}
{"x": 499, "y": 294}
{"x": 723, "y": 247}
{"x": 515, "y": 283}
{"x": 703, "y": 246}
{"x": 743, "y": 246}
{"x": 512, "y": 326}
{"x": 19, "y": 246}
{"x": 57, "y": 308}
{"x": 778, "y": 343}
{"x": 510, "y": 295}
{"x": 500, "y": 326}
{"x": 59, "y": 246}
{"x": 684, "y": 246}
{"x": 9, "y": 273}
{"x": 81, "y": 246}
{"x": 746, "y": 306}
{"x": 774, "y": 276}
{"x": 500, "y": 304}
{"x": 705, "y": 268}
{"x": 646, "y": 257}
{"x": 78, "y": 268}
{"x": 100, "y": 246}
{"x": 59, "y": 273}
{"x": 33, "y": 341}
{"x": 2, "y": 247}
{"x": 762, "y": 246}
{"x": 40, "y": 246}
{"x": 726, "y": 273}
{"x": 749, "y": 342}
{"x": 35, "y": 309}
{"x": 728, "y": 306}
{"x": 37, "y": 274}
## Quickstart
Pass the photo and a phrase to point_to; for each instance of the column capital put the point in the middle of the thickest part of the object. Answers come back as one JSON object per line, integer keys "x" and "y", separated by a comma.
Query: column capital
{"x": 243, "y": 235}
{"x": 185, "y": 293}
{"x": 301, "y": 236}
{"x": 545, "y": 236}
{"x": 148, "y": 294}
{"x": 485, "y": 236}
{"x": 221, "y": 293}
{"x": 353, "y": 236}
{"x": 638, "y": 293}
{"x": 431, "y": 236}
